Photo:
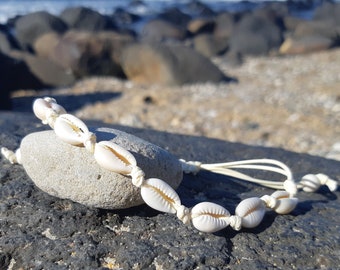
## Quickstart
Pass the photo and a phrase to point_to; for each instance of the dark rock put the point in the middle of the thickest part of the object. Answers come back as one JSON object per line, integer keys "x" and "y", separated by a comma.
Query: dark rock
{"x": 114, "y": 42}
{"x": 51, "y": 230}
{"x": 29, "y": 27}
{"x": 82, "y": 18}
{"x": 46, "y": 71}
{"x": 311, "y": 36}
{"x": 209, "y": 45}
{"x": 274, "y": 12}
{"x": 5, "y": 100}
{"x": 305, "y": 44}
{"x": 161, "y": 30}
{"x": 15, "y": 74}
{"x": 255, "y": 35}
{"x": 317, "y": 28}
{"x": 124, "y": 18}
{"x": 197, "y": 8}
{"x": 201, "y": 25}
{"x": 225, "y": 23}
{"x": 169, "y": 65}
{"x": 175, "y": 16}
{"x": 328, "y": 11}
{"x": 5, "y": 45}
{"x": 7, "y": 41}
{"x": 291, "y": 22}
{"x": 87, "y": 53}
{"x": 46, "y": 44}
{"x": 233, "y": 58}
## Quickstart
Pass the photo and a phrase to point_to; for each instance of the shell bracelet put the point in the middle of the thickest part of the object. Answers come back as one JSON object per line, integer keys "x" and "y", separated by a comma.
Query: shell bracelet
{"x": 205, "y": 216}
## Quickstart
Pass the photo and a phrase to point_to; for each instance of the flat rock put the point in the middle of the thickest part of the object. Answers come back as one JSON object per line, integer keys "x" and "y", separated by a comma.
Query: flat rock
{"x": 41, "y": 231}
{"x": 70, "y": 172}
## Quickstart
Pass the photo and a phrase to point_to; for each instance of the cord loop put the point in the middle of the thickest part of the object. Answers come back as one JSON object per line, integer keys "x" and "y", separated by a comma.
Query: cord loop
{"x": 190, "y": 166}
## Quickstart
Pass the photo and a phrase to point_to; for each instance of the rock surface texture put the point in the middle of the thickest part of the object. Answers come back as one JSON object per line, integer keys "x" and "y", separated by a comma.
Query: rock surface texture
{"x": 41, "y": 231}
{"x": 72, "y": 173}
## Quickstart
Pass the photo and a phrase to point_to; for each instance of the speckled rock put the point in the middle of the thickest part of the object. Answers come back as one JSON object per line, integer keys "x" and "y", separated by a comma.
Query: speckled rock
{"x": 71, "y": 172}
{"x": 39, "y": 231}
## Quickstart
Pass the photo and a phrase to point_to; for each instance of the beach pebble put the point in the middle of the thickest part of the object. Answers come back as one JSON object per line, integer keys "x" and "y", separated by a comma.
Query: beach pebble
{"x": 71, "y": 172}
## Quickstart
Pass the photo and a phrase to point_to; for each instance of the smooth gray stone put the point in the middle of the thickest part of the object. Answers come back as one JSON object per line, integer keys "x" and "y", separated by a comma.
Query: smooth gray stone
{"x": 71, "y": 172}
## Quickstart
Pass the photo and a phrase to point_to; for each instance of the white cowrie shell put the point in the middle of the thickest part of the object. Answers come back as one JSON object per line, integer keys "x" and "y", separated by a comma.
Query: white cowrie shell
{"x": 42, "y": 105}
{"x": 285, "y": 204}
{"x": 209, "y": 217}
{"x": 251, "y": 211}
{"x": 310, "y": 183}
{"x": 160, "y": 196}
{"x": 114, "y": 158}
{"x": 71, "y": 129}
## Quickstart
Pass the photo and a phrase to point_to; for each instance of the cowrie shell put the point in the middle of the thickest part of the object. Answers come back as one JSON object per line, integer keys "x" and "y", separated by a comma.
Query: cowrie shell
{"x": 71, "y": 129}
{"x": 284, "y": 204}
{"x": 114, "y": 158}
{"x": 209, "y": 217}
{"x": 160, "y": 196}
{"x": 251, "y": 211}
{"x": 310, "y": 183}
{"x": 41, "y": 105}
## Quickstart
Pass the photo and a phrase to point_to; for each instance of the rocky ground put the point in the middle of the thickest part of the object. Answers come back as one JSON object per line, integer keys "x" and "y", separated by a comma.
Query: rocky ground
{"x": 288, "y": 102}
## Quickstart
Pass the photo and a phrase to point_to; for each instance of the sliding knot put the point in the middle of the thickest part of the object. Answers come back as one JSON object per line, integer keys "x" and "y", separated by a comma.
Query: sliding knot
{"x": 290, "y": 186}
{"x": 235, "y": 222}
{"x": 190, "y": 166}
{"x": 183, "y": 213}
{"x": 137, "y": 176}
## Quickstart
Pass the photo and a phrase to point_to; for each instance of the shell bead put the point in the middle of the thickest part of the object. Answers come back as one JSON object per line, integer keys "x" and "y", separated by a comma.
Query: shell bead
{"x": 251, "y": 211}
{"x": 160, "y": 196}
{"x": 70, "y": 129}
{"x": 114, "y": 158}
{"x": 310, "y": 183}
{"x": 209, "y": 217}
{"x": 42, "y": 105}
{"x": 39, "y": 108}
{"x": 284, "y": 204}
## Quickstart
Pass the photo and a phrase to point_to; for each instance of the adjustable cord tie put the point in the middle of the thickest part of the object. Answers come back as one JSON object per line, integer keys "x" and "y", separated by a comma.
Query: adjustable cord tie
{"x": 190, "y": 166}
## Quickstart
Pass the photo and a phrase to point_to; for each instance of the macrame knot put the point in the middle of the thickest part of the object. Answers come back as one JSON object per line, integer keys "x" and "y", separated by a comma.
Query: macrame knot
{"x": 183, "y": 213}
{"x": 51, "y": 117}
{"x": 12, "y": 157}
{"x": 137, "y": 176}
{"x": 290, "y": 186}
{"x": 190, "y": 166}
{"x": 90, "y": 142}
{"x": 235, "y": 222}
{"x": 270, "y": 201}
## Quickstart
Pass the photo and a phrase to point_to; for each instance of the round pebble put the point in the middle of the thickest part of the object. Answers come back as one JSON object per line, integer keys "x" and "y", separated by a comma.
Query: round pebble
{"x": 71, "y": 172}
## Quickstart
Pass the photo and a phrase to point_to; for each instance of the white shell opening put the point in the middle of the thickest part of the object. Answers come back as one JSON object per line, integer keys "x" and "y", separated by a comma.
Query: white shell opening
{"x": 114, "y": 158}
{"x": 209, "y": 217}
{"x": 159, "y": 195}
